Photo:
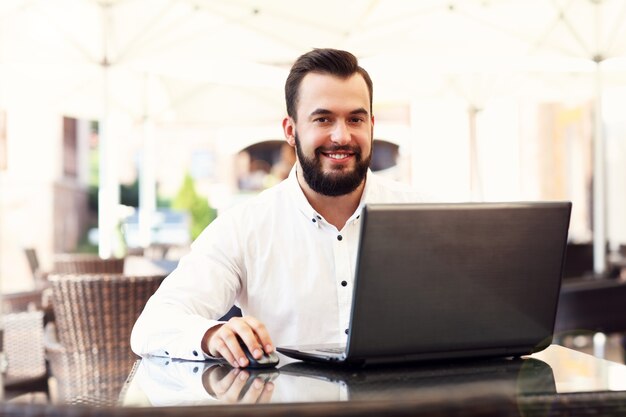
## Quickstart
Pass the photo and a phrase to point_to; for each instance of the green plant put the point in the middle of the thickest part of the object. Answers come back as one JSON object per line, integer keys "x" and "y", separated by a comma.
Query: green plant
{"x": 129, "y": 194}
{"x": 187, "y": 199}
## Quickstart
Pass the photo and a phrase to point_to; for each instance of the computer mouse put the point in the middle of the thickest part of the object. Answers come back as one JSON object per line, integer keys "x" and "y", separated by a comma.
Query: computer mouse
{"x": 266, "y": 361}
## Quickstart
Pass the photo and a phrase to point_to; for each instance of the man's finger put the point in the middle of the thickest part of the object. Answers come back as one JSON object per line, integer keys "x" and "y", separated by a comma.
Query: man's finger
{"x": 221, "y": 385}
{"x": 218, "y": 348}
{"x": 248, "y": 336}
{"x": 266, "y": 395}
{"x": 255, "y": 389}
{"x": 232, "y": 344}
{"x": 234, "y": 392}
{"x": 261, "y": 332}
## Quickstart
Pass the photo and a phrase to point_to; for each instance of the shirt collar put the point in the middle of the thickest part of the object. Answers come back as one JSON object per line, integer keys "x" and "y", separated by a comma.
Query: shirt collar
{"x": 302, "y": 204}
{"x": 307, "y": 210}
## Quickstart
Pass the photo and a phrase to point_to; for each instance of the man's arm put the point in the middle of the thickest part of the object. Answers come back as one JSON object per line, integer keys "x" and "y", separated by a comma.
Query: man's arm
{"x": 194, "y": 296}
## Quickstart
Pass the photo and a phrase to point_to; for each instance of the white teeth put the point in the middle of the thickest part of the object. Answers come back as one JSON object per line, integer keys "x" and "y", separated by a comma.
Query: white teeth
{"x": 336, "y": 155}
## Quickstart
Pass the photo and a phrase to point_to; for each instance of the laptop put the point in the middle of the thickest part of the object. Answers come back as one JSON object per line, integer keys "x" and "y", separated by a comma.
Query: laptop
{"x": 454, "y": 280}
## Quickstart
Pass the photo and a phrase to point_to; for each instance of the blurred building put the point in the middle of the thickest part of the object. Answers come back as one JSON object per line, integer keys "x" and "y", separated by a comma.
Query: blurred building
{"x": 43, "y": 189}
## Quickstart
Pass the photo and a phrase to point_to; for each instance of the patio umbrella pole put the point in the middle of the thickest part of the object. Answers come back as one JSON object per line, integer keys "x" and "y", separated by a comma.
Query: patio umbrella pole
{"x": 108, "y": 193}
{"x": 105, "y": 195}
{"x": 599, "y": 194}
{"x": 147, "y": 183}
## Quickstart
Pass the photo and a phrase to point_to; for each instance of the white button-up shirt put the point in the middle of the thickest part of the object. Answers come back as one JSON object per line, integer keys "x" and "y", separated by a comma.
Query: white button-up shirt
{"x": 273, "y": 256}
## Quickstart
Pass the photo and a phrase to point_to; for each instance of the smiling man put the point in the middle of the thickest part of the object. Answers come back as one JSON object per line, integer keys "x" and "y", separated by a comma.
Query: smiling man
{"x": 287, "y": 256}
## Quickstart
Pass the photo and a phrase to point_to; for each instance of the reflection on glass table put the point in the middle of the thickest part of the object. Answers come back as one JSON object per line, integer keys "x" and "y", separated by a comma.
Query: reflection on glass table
{"x": 557, "y": 370}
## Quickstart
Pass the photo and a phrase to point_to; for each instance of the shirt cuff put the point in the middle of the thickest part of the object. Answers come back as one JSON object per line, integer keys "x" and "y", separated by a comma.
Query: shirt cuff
{"x": 190, "y": 347}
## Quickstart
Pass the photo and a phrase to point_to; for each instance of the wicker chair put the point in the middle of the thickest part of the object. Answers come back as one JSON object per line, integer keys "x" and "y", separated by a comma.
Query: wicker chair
{"x": 86, "y": 264}
{"x": 24, "y": 351}
{"x": 97, "y": 312}
{"x": 90, "y": 354}
{"x": 40, "y": 277}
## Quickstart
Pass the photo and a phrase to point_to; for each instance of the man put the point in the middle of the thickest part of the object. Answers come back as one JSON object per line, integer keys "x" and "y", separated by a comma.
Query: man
{"x": 287, "y": 257}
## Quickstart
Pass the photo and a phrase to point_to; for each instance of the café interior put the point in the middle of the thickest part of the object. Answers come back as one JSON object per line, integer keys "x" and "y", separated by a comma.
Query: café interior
{"x": 127, "y": 126}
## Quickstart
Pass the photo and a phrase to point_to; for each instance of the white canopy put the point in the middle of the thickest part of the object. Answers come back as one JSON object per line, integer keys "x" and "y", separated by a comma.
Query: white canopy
{"x": 212, "y": 60}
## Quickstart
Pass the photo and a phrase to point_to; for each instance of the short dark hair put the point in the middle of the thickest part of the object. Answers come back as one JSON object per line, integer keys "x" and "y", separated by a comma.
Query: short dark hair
{"x": 322, "y": 61}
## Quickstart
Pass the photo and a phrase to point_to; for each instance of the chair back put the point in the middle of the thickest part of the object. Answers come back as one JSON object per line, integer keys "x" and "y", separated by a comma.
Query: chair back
{"x": 23, "y": 347}
{"x": 97, "y": 311}
{"x": 86, "y": 264}
{"x": 39, "y": 276}
{"x": 33, "y": 259}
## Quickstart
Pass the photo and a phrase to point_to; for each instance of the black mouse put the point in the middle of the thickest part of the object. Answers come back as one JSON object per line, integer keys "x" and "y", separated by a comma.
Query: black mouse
{"x": 266, "y": 361}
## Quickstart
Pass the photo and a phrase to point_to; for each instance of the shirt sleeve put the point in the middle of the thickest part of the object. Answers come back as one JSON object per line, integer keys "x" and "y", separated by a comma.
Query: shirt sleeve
{"x": 193, "y": 297}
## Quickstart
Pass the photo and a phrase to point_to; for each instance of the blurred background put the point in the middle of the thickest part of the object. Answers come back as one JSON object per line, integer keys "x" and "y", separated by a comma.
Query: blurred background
{"x": 127, "y": 125}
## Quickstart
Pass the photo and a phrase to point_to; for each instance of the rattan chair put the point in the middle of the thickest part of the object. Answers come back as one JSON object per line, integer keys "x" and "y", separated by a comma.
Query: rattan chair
{"x": 96, "y": 312}
{"x": 67, "y": 263}
{"x": 90, "y": 354}
{"x": 24, "y": 351}
{"x": 39, "y": 275}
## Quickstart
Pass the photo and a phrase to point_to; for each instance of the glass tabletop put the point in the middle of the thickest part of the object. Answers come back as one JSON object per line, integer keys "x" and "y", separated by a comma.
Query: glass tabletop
{"x": 163, "y": 382}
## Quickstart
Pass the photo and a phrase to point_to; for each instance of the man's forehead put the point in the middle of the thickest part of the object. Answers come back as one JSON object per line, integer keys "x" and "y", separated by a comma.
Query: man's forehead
{"x": 319, "y": 90}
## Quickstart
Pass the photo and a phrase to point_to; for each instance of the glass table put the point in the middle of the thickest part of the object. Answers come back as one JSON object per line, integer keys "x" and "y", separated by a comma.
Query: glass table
{"x": 556, "y": 381}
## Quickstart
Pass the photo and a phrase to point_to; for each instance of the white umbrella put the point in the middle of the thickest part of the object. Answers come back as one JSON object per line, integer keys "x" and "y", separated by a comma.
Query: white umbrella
{"x": 93, "y": 59}
{"x": 199, "y": 40}
{"x": 590, "y": 30}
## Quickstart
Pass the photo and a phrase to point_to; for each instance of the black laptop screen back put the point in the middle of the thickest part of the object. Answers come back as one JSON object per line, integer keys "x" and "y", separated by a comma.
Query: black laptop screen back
{"x": 452, "y": 279}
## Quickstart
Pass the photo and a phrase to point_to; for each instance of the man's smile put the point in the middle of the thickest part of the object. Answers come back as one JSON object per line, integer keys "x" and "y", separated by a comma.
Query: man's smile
{"x": 338, "y": 156}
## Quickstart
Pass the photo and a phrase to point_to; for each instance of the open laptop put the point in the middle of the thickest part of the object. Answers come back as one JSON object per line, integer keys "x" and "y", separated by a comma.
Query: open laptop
{"x": 438, "y": 281}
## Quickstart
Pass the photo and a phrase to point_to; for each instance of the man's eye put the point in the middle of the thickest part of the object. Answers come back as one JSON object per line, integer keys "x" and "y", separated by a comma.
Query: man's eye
{"x": 356, "y": 120}
{"x": 322, "y": 120}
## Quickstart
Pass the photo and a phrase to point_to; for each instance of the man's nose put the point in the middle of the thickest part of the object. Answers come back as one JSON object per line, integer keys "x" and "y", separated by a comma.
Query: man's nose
{"x": 340, "y": 134}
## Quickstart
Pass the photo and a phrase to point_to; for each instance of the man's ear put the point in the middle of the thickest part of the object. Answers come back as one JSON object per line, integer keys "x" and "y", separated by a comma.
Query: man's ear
{"x": 289, "y": 129}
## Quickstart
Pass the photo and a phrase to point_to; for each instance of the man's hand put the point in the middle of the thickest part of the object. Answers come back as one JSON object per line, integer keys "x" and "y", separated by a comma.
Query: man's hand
{"x": 233, "y": 385}
{"x": 221, "y": 341}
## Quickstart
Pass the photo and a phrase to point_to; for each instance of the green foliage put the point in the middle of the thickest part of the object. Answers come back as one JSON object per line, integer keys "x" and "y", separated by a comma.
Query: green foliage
{"x": 187, "y": 199}
{"x": 92, "y": 198}
{"x": 129, "y": 194}
{"x": 84, "y": 246}
{"x": 163, "y": 202}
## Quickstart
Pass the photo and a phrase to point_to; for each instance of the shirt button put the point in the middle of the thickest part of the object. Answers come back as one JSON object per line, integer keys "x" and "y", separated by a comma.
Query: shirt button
{"x": 339, "y": 237}
{"x": 313, "y": 220}
{"x": 344, "y": 283}
{"x": 167, "y": 353}
{"x": 195, "y": 353}
{"x": 319, "y": 217}
{"x": 346, "y": 331}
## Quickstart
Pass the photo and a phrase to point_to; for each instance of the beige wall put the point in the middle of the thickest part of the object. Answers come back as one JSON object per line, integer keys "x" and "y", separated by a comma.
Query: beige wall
{"x": 38, "y": 207}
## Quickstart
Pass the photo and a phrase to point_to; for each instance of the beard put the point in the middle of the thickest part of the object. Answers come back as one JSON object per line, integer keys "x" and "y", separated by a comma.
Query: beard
{"x": 339, "y": 181}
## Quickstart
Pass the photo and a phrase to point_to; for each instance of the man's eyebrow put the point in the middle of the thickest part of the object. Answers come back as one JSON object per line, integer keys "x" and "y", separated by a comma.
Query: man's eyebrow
{"x": 323, "y": 112}
{"x": 360, "y": 110}
{"x": 318, "y": 112}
